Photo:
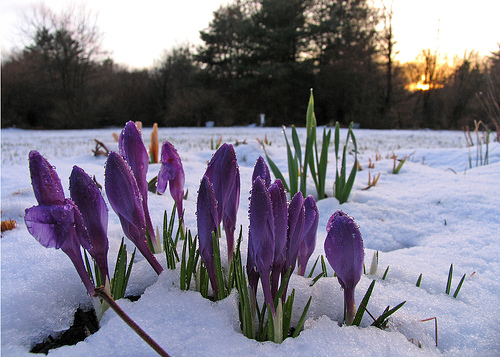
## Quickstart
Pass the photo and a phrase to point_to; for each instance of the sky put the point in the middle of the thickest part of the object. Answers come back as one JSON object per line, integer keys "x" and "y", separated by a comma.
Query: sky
{"x": 138, "y": 33}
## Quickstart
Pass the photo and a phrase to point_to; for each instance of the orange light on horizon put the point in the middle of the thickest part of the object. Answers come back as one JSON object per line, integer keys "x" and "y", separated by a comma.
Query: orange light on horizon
{"x": 420, "y": 85}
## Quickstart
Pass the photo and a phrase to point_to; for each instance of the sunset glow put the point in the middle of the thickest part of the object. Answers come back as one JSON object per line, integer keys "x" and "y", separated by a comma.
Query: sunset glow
{"x": 420, "y": 85}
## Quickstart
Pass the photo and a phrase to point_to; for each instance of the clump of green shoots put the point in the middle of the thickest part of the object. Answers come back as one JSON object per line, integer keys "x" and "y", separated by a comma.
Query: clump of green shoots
{"x": 214, "y": 145}
{"x": 323, "y": 273}
{"x": 397, "y": 163}
{"x": 118, "y": 284}
{"x": 381, "y": 321}
{"x": 372, "y": 182}
{"x": 253, "y": 320}
{"x": 317, "y": 161}
{"x": 448, "y": 283}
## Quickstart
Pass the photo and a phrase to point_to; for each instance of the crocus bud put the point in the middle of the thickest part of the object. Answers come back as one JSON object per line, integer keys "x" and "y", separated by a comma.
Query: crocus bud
{"x": 126, "y": 200}
{"x": 87, "y": 196}
{"x": 206, "y": 216}
{"x": 56, "y": 222}
{"x": 262, "y": 170}
{"x": 223, "y": 173}
{"x": 280, "y": 213}
{"x": 345, "y": 253}
{"x": 308, "y": 239}
{"x": 171, "y": 172}
{"x": 261, "y": 235}
{"x": 132, "y": 148}
{"x": 45, "y": 181}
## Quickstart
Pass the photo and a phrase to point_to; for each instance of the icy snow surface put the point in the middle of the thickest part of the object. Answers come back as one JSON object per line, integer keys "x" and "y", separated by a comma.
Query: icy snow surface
{"x": 437, "y": 211}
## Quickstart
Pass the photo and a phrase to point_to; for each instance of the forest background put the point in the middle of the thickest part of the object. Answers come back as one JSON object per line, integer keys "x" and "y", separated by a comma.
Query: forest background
{"x": 256, "y": 57}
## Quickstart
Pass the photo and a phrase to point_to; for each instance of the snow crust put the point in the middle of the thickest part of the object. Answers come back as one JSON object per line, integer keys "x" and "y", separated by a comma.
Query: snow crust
{"x": 437, "y": 211}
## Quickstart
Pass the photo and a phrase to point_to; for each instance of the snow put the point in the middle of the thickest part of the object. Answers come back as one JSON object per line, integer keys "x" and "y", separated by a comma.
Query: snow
{"x": 437, "y": 211}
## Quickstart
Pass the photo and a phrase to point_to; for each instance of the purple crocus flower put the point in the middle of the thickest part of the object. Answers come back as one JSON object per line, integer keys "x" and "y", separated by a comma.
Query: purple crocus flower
{"x": 126, "y": 200}
{"x": 280, "y": 213}
{"x": 56, "y": 222}
{"x": 262, "y": 170}
{"x": 261, "y": 235}
{"x": 132, "y": 148}
{"x": 172, "y": 173}
{"x": 87, "y": 196}
{"x": 224, "y": 174}
{"x": 345, "y": 253}
{"x": 45, "y": 181}
{"x": 308, "y": 239}
{"x": 207, "y": 220}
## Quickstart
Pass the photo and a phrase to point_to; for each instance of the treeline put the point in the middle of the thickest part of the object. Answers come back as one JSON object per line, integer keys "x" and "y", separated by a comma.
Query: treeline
{"x": 257, "y": 57}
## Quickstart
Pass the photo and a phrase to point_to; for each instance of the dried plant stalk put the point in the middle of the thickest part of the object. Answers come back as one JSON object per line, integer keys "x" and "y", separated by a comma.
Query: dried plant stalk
{"x": 154, "y": 146}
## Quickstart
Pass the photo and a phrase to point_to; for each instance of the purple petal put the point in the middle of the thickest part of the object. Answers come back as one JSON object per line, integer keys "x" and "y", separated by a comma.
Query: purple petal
{"x": 280, "y": 213}
{"x": 45, "y": 181}
{"x": 122, "y": 191}
{"x": 88, "y": 198}
{"x": 171, "y": 172}
{"x": 344, "y": 249}
{"x": 224, "y": 174}
{"x": 308, "y": 240}
{"x": 60, "y": 226}
{"x": 231, "y": 213}
{"x": 262, "y": 170}
{"x": 177, "y": 192}
{"x": 296, "y": 217}
{"x": 52, "y": 225}
{"x": 132, "y": 149}
{"x": 171, "y": 166}
{"x": 253, "y": 275}
{"x": 207, "y": 221}
{"x": 261, "y": 230}
{"x": 221, "y": 172}
{"x": 126, "y": 200}
{"x": 261, "y": 235}
{"x": 81, "y": 230}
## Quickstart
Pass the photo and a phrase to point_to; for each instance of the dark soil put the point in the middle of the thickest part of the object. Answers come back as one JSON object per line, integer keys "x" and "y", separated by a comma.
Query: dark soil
{"x": 84, "y": 325}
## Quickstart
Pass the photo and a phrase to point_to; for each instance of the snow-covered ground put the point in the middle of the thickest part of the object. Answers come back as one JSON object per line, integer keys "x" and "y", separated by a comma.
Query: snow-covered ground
{"x": 434, "y": 213}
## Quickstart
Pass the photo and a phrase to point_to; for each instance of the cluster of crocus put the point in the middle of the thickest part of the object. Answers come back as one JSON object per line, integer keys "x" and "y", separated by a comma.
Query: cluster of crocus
{"x": 277, "y": 232}
{"x": 345, "y": 253}
{"x": 57, "y": 222}
{"x": 127, "y": 188}
{"x": 218, "y": 201}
